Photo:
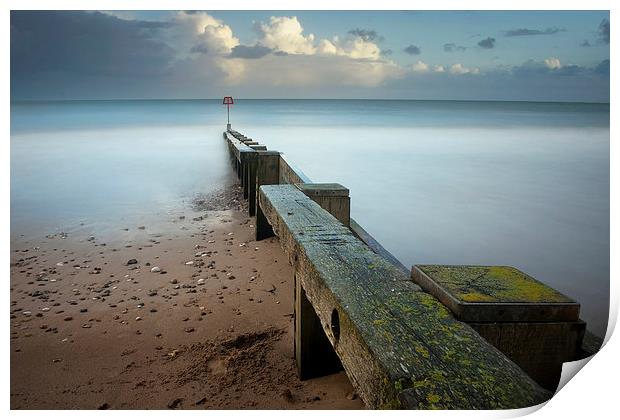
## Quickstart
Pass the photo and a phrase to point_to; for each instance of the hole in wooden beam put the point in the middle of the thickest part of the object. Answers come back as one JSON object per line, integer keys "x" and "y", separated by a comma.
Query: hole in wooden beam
{"x": 335, "y": 325}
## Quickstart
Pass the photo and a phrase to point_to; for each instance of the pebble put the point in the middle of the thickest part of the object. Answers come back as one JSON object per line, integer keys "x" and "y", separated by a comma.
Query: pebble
{"x": 155, "y": 270}
{"x": 132, "y": 261}
{"x": 189, "y": 263}
{"x": 175, "y": 403}
{"x": 200, "y": 281}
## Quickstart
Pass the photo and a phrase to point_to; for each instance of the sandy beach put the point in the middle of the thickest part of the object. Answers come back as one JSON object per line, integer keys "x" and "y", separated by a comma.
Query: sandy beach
{"x": 189, "y": 314}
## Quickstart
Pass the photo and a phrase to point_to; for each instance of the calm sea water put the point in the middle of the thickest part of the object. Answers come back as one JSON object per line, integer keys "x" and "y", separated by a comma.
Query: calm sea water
{"x": 522, "y": 184}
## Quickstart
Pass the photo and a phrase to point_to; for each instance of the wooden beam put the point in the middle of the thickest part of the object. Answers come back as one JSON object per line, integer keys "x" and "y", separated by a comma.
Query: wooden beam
{"x": 267, "y": 173}
{"x": 400, "y": 347}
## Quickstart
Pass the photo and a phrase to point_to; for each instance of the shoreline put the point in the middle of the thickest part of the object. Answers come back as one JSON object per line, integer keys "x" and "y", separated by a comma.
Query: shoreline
{"x": 212, "y": 328}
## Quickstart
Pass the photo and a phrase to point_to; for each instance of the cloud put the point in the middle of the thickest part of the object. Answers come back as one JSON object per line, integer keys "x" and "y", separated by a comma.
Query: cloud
{"x": 413, "y": 50}
{"x": 602, "y": 68}
{"x": 319, "y": 71}
{"x": 585, "y": 43}
{"x": 452, "y": 47}
{"x": 285, "y": 34}
{"x": 553, "y": 66}
{"x": 192, "y": 54}
{"x": 529, "y": 32}
{"x": 420, "y": 67}
{"x": 202, "y": 33}
{"x": 459, "y": 69}
{"x": 244, "y": 51}
{"x": 553, "y": 63}
{"x": 487, "y": 43}
{"x": 366, "y": 34}
{"x": 603, "y": 31}
{"x": 355, "y": 48}
{"x": 68, "y": 43}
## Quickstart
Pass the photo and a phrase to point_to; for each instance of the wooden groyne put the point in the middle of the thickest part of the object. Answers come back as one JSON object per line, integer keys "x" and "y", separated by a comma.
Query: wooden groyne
{"x": 445, "y": 337}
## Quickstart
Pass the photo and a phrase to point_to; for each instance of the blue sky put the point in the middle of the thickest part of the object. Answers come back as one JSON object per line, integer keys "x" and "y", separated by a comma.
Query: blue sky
{"x": 499, "y": 55}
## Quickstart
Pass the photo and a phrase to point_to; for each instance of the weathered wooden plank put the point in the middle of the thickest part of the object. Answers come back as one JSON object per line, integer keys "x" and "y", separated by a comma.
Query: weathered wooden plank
{"x": 257, "y": 147}
{"x": 399, "y": 346}
{"x": 539, "y": 348}
{"x": 243, "y": 154}
{"x": 267, "y": 173}
{"x": 332, "y": 197}
{"x": 375, "y": 246}
{"x": 290, "y": 174}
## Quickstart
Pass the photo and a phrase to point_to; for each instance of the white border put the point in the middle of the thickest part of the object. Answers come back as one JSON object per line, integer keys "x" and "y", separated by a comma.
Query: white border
{"x": 591, "y": 394}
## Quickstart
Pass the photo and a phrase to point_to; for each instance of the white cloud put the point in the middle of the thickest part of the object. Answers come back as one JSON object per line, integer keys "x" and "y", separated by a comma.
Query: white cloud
{"x": 327, "y": 47}
{"x": 318, "y": 70}
{"x": 358, "y": 48}
{"x": 211, "y": 35}
{"x": 206, "y": 43}
{"x": 419, "y": 67}
{"x": 458, "y": 68}
{"x": 285, "y": 34}
{"x": 553, "y": 63}
{"x": 438, "y": 68}
{"x": 355, "y": 48}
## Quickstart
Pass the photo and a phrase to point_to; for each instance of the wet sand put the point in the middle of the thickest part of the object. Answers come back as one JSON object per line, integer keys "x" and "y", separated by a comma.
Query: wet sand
{"x": 210, "y": 327}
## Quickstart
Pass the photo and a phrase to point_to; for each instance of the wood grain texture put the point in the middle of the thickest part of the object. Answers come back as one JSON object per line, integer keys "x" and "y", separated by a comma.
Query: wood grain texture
{"x": 400, "y": 347}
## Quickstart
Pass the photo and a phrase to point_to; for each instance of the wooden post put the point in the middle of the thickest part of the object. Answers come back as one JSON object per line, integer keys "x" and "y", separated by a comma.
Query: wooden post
{"x": 267, "y": 173}
{"x": 332, "y": 197}
{"x": 251, "y": 183}
{"x": 536, "y": 326}
{"x": 314, "y": 354}
{"x": 244, "y": 174}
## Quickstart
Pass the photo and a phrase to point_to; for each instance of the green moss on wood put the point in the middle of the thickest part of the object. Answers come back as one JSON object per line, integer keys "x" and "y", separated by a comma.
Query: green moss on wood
{"x": 479, "y": 284}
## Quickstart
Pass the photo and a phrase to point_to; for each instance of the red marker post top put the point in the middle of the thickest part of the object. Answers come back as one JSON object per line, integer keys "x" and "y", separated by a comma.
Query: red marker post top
{"x": 228, "y": 101}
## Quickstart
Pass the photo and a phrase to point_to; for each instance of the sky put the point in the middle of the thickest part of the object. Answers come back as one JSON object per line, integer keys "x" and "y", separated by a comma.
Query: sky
{"x": 439, "y": 55}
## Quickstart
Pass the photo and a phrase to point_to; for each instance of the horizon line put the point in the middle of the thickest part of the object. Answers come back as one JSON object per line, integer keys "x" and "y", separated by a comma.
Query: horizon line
{"x": 308, "y": 99}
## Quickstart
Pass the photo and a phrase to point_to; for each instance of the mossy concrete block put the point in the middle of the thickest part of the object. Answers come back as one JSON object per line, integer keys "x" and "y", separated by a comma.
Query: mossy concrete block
{"x": 494, "y": 294}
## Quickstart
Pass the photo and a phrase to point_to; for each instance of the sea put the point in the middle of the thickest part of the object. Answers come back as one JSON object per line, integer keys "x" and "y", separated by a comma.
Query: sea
{"x": 524, "y": 184}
